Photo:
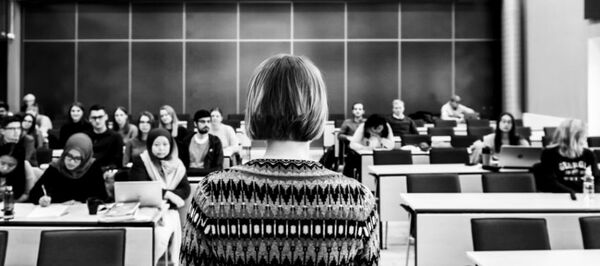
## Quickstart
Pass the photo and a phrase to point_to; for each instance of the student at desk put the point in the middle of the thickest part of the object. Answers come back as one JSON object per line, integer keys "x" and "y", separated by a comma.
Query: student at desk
{"x": 15, "y": 170}
{"x": 375, "y": 133}
{"x": 564, "y": 162}
{"x": 75, "y": 176}
{"x": 506, "y": 134}
{"x": 160, "y": 163}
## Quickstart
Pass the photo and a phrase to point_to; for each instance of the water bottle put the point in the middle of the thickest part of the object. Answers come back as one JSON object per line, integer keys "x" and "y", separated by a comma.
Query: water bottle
{"x": 588, "y": 184}
{"x": 9, "y": 203}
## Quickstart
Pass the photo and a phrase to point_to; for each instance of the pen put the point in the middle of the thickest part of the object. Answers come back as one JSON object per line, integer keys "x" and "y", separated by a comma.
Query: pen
{"x": 44, "y": 190}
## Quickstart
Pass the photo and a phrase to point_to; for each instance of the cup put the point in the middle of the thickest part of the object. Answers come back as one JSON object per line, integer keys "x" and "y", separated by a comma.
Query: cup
{"x": 486, "y": 159}
{"x": 92, "y": 204}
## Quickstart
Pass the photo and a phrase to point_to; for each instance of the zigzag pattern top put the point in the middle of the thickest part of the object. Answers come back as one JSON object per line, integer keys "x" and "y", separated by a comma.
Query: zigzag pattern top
{"x": 281, "y": 212}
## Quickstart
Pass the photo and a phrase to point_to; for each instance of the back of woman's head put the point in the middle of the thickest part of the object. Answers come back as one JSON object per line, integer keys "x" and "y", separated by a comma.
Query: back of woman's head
{"x": 287, "y": 100}
{"x": 570, "y": 137}
{"x": 374, "y": 121}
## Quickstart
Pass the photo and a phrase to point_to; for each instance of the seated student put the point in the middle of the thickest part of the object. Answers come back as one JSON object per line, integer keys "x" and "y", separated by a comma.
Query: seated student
{"x": 15, "y": 171}
{"x": 167, "y": 119}
{"x": 29, "y": 140}
{"x": 31, "y": 106}
{"x": 202, "y": 152}
{"x": 160, "y": 163}
{"x": 506, "y": 134}
{"x": 375, "y": 133}
{"x": 30, "y": 129}
{"x": 350, "y": 125}
{"x": 226, "y": 134}
{"x": 137, "y": 145}
{"x": 282, "y": 209}
{"x": 453, "y": 110}
{"x": 398, "y": 120}
{"x": 122, "y": 126}
{"x": 74, "y": 177}
{"x": 108, "y": 145}
{"x": 564, "y": 162}
{"x": 76, "y": 123}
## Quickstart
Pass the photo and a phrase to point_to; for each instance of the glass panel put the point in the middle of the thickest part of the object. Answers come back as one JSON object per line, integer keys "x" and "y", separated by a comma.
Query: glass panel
{"x": 211, "y": 77}
{"x": 49, "y": 21}
{"x": 211, "y": 21}
{"x": 375, "y": 21}
{"x": 265, "y": 21}
{"x": 373, "y": 75}
{"x": 329, "y": 58}
{"x": 103, "y": 74}
{"x": 478, "y": 19}
{"x": 156, "y": 68}
{"x": 426, "y": 20}
{"x": 98, "y": 21}
{"x": 426, "y": 75}
{"x": 157, "y": 21}
{"x": 318, "y": 21}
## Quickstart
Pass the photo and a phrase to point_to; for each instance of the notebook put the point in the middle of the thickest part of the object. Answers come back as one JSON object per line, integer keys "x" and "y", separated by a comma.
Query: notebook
{"x": 518, "y": 156}
{"x": 147, "y": 193}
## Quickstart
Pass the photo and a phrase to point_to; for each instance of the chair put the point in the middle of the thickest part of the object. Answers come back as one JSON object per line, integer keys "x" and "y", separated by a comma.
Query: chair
{"x": 82, "y": 247}
{"x": 462, "y": 141}
{"x": 546, "y": 140}
{"x": 3, "y": 246}
{"x": 415, "y": 140}
{"x": 479, "y": 132}
{"x": 338, "y": 123}
{"x": 426, "y": 183}
{"x": 440, "y": 131}
{"x": 524, "y": 132}
{"x": 448, "y": 155}
{"x": 444, "y": 123}
{"x": 333, "y": 117}
{"x": 477, "y": 123}
{"x": 549, "y": 131}
{"x": 593, "y": 141}
{"x": 590, "y": 231}
{"x": 508, "y": 182}
{"x": 510, "y": 234}
{"x": 597, "y": 153}
{"x": 392, "y": 157}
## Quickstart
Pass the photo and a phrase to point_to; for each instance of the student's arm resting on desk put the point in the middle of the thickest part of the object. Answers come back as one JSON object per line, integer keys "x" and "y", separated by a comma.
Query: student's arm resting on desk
{"x": 388, "y": 142}
{"x": 355, "y": 141}
{"x": 178, "y": 195}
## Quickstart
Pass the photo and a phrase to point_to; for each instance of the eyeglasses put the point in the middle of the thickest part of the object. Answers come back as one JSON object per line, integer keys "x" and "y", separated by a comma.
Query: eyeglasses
{"x": 76, "y": 159}
{"x": 144, "y": 122}
{"x": 13, "y": 128}
{"x": 28, "y": 121}
{"x": 96, "y": 117}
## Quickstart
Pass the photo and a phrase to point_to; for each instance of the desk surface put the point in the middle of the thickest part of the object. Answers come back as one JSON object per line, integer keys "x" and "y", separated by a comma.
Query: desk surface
{"x": 536, "y": 257}
{"x": 406, "y": 169}
{"x": 498, "y": 203}
{"x": 77, "y": 214}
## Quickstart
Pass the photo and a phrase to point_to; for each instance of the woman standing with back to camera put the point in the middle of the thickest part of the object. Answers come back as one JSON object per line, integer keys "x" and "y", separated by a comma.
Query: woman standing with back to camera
{"x": 284, "y": 208}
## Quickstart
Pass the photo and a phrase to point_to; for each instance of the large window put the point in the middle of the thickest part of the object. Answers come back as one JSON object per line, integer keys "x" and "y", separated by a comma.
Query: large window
{"x": 196, "y": 55}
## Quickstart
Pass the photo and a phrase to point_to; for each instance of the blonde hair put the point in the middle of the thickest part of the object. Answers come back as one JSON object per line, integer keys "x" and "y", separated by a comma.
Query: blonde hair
{"x": 287, "y": 100}
{"x": 570, "y": 137}
{"x": 174, "y": 120}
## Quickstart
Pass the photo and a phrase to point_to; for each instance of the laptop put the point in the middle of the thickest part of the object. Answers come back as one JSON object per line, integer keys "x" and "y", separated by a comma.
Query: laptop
{"x": 148, "y": 193}
{"x": 518, "y": 157}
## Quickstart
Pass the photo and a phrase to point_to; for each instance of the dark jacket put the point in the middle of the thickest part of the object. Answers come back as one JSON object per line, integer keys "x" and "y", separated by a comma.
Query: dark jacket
{"x": 108, "y": 149}
{"x": 69, "y": 129}
{"x": 213, "y": 160}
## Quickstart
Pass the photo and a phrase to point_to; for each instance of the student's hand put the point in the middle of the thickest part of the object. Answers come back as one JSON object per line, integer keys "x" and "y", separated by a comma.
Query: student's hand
{"x": 45, "y": 201}
{"x": 109, "y": 175}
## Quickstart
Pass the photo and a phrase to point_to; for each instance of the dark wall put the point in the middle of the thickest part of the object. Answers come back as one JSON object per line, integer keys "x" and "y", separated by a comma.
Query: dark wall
{"x": 196, "y": 55}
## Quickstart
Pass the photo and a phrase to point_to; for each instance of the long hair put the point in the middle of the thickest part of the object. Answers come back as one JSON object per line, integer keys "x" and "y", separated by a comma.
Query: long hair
{"x": 150, "y": 119}
{"x": 570, "y": 137}
{"x": 513, "y": 137}
{"x": 374, "y": 121}
{"x": 126, "y": 128}
{"x": 82, "y": 107}
{"x": 32, "y": 130}
{"x": 174, "y": 120}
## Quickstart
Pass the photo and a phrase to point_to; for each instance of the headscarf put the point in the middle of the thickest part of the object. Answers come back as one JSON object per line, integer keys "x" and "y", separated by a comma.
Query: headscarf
{"x": 168, "y": 170}
{"x": 83, "y": 144}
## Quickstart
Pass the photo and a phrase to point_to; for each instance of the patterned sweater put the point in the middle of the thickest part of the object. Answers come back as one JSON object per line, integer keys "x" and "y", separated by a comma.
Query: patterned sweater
{"x": 281, "y": 212}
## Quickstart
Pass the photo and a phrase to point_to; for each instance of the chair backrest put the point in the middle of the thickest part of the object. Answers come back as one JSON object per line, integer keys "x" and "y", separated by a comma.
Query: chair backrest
{"x": 433, "y": 183}
{"x": 549, "y": 131}
{"x": 440, "y": 131}
{"x": 3, "y": 246}
{"x": 448, "y": 155}
{"x": 477, "y": 122}
{"x": 590, "y": 231}
{"x": 333, "y": 117}
{"x": 479, "y": 131}
{"x": 509, "y": 234}
{"x": 392, "y": 157}
{"x": 444, "y": 123}
{"x": 508, "y": 182}
{"x": 338, "y": 123}
{"x": 415, "y": 139}
{"x": 524, "y": 132}
{"x": 593, "y": 142}
{"x": 597, "y": 153}
{"x": 82, "y": 247}
{"x": 462, "y": 141}
{"x": 546, "y": 140}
